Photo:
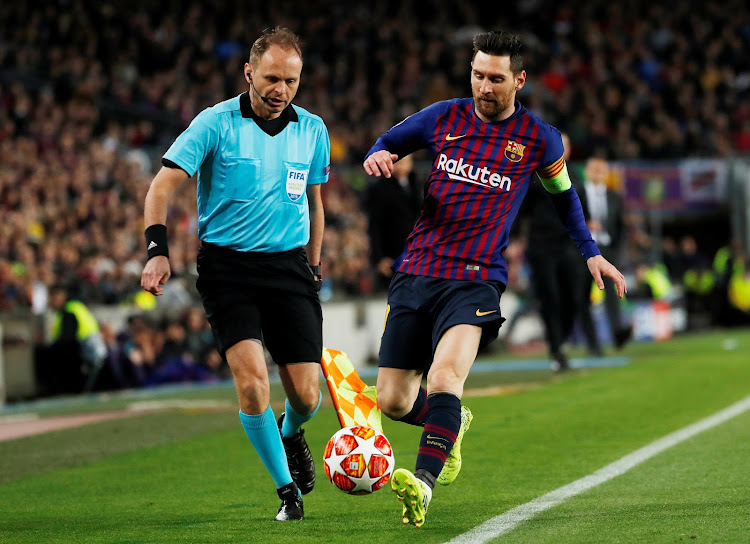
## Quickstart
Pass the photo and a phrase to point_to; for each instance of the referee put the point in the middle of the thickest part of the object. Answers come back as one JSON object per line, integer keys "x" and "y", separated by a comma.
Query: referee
{"x": 260, "y": 162}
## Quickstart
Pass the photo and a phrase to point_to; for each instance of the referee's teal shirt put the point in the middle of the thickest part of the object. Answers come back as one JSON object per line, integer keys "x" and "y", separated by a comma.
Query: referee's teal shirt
{"x": 251, "y": 185}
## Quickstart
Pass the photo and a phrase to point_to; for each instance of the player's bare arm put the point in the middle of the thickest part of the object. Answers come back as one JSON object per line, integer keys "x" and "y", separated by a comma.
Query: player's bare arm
{"x": 157, "y": 270}
{"x": 380, "y": 163}
{"x": 600, "y": 268}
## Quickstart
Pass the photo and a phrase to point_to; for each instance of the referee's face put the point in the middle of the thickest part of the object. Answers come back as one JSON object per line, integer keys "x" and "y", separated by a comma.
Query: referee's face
{"x": 274, "y": 81}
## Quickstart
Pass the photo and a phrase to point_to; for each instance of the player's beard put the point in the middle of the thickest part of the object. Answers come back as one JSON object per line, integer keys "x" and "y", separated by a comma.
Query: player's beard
{"x": 491, "y": 105}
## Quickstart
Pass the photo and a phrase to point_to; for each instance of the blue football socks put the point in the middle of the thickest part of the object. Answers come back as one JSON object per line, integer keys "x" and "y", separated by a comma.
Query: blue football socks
{"x": 293, "y": 421}
{"x": 264, "y": 435}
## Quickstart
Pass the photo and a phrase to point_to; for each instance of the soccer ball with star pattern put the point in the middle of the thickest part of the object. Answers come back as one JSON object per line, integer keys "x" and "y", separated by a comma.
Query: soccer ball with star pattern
{"x": 358, "y": 460}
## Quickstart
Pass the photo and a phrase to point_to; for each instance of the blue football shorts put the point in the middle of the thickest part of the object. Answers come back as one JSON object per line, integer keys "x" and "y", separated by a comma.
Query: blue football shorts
{"x": 420, "y": 310}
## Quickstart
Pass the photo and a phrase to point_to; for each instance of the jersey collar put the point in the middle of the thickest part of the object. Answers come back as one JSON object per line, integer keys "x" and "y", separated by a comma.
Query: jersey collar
{"x": 516, "y": 114}
{"x": 270, "y": 126}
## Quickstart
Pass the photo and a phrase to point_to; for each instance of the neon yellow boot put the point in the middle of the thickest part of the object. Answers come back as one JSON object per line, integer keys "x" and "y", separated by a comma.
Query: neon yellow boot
{"x": 453, "y": 462}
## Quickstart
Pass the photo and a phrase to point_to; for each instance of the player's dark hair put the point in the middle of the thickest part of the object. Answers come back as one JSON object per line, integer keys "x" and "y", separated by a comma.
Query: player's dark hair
{"x": 500, "y": 44}
{"x": 281, "y": 36}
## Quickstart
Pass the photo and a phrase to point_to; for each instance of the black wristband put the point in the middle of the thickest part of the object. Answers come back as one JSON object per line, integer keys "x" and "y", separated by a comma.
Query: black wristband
{"x": 156, "y": 241}
{"x": 317, "y": 275}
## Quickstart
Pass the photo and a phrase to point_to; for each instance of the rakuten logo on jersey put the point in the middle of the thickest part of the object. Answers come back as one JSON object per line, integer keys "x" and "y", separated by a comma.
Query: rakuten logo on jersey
{"x": 463, "y": 171}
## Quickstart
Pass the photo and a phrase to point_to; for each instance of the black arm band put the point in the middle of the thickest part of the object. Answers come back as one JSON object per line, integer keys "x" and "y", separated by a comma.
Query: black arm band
{"x": 156, "y": 241}
{"x": 317, "y": 273}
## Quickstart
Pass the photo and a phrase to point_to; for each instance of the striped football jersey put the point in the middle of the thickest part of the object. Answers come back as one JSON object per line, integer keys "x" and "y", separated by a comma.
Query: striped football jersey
{"x": 480, "y": 175}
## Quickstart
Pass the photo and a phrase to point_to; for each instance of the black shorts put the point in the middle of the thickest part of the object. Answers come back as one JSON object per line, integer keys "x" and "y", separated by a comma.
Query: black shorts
{"x": 269, "y": 297}
{"x": 420, "y": 310}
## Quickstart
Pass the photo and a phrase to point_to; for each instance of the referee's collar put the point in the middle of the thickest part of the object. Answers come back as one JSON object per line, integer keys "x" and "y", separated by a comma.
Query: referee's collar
{"x": 270, "y": 126}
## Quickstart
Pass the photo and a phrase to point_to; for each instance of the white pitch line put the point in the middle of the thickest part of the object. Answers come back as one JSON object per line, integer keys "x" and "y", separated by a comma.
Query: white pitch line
{"x": 507, "y": 521}
{"x": 143, "y": 405}
{"x": 15, "y": 418}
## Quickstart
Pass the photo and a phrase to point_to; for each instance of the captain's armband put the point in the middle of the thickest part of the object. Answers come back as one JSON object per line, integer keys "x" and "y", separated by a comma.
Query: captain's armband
{"x": 555, "y": 177}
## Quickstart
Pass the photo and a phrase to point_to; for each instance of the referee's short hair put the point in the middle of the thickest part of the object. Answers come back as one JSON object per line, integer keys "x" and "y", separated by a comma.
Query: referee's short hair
{"x": 281, "y": 36}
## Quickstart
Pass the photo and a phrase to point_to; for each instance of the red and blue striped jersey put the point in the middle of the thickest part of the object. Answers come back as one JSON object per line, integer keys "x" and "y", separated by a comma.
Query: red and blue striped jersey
{"x": 480, "y": 175}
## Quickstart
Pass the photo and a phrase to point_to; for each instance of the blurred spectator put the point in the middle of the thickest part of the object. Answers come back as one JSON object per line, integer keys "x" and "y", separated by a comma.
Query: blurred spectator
{"x": 651, "y": 282}
{"x": 175, "y": 344}
{"x": 606, "y": 209}
{"x": 199, "y": 339}
{"x": 174, "y": 361}
{"x": 739, "y": 291}
{"x": 346, "y": 245}
{"x": 141, "y": 347}
{"x": 71, "y": 363}
{"x": 698, "y": 278}
{"x": 117, "y": 371}
{"x": 732, "y": 287}
{"x": 392, "y": 206}
{"x": 557, "y": 268}
{"x": 670, "y": 257}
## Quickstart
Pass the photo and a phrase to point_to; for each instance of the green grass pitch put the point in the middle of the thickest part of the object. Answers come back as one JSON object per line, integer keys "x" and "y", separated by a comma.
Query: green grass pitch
{"x": 189, "y": 475}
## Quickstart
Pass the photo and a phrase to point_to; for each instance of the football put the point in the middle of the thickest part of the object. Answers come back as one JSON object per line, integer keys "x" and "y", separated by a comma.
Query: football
{"x": 358, "y": 460}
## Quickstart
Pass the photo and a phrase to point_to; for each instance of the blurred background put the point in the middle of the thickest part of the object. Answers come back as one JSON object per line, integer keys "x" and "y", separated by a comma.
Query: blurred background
{"x": 93, "y": 93}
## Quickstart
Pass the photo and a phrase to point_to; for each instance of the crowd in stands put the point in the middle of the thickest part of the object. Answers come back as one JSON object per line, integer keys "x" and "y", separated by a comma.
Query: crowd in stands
{"x": 149, "y": 353}
{"x": 91, "y": 95}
